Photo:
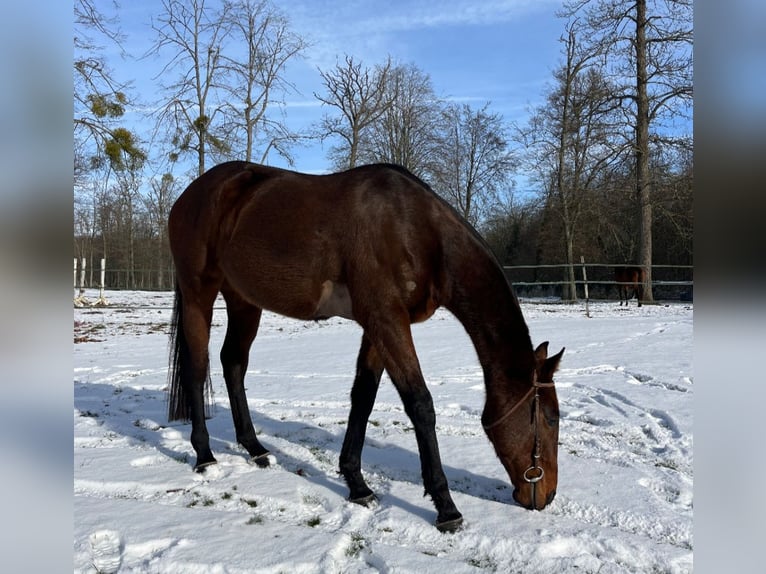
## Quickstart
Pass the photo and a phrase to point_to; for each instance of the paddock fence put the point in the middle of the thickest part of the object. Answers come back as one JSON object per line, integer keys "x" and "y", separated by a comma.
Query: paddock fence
{"x": 596, "y": 281}
{"x": 550, "y": 281}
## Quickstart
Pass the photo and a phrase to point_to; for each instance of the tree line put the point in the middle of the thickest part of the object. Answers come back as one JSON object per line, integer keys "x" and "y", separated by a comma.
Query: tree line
{"x": 608, "y": 174}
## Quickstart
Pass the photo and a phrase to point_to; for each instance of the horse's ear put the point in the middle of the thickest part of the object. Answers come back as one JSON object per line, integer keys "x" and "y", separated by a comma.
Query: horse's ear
{"x": 552, "y": 364}
{"x": 549, "y": 366}
{"x": 541, "y": 353}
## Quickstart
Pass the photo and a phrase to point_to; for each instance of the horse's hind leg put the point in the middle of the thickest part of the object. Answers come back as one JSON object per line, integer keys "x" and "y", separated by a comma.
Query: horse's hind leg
{"x": 197, "y": 309}
{"x": 369, "y": 369}
{"x": 242, "y": 327}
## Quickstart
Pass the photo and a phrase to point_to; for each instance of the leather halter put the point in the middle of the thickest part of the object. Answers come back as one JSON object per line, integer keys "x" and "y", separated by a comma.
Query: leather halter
{"x": 535, "y": 472}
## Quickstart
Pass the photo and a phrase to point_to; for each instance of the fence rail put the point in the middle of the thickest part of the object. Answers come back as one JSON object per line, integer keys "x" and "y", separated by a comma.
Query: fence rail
{"x": 669, "y": 282}
{"x": 546, "y": 280}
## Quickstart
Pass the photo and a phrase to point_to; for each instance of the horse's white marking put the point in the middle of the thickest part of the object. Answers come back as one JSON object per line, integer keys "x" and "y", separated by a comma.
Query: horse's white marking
{"x": 334, "y": 301}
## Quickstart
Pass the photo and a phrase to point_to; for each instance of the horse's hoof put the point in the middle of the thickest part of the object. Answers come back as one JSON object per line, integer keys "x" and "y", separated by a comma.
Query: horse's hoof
{"x": 367, "y": 501}
{"x": 452, "y": 525}
{"x": 263, "y": 460}
{"x": 200, "y": 467}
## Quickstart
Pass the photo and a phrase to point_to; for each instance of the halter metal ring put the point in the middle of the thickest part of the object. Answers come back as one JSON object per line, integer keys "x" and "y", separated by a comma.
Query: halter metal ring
{"x": 531, "y": 478}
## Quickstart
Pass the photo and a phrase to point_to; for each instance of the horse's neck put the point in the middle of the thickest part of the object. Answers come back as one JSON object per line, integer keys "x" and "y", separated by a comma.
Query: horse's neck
{"x": 482, "y": 300}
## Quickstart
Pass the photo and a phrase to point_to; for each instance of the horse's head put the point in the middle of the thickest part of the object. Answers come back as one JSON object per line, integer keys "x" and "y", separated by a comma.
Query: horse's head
{"x": 525, "y": 434}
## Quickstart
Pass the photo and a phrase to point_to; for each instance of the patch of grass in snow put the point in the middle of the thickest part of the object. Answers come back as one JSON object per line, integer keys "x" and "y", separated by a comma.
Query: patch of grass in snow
{"x": 405, "y": 427}
{"x": 666, "y": 463}
{"x": 357, "y": 544}
{"x": 483, "y": 562}
{"x": 311, "y": 499}
{"x": 197, "y": 500}
{"x": 320, "y": 454}
{"x": 314, "y": 521}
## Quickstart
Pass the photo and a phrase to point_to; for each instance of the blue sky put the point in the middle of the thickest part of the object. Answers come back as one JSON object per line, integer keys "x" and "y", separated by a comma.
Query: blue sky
{"x": 497, "y": 51}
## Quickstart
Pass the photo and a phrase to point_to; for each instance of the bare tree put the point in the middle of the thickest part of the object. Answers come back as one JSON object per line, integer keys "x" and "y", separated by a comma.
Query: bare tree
{"x": 193, "y": 35}
{"x": 127, "y": 159}
{"x": 99, "y": 98}
{"x": 100, "y": 101}
{"x": 361, "y": 97}
{"x": 673, "y": 204}
{"x": 647, "y": 47}
{"x": 570, "y": 141}
{"x": 158, "y": 202}
{"x": 257, "y": 79}
{"x": 406, "y": 133}
{"x": 474, "y": 165}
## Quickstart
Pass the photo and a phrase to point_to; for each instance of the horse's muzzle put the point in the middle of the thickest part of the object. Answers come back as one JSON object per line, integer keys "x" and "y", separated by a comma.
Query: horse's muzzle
{"x": 551, "y": 496}
{"x": 531, "y": 504}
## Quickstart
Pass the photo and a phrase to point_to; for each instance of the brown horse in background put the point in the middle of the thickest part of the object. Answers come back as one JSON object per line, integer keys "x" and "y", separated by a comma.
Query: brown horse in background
{"x": 633, "y": 278}
{"x": 373, "y": 244}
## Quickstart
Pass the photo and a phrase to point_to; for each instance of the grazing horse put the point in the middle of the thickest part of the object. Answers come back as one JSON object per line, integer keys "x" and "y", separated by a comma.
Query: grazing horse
{"x": 630, "y": 277}
{"x": 373, "y": 244}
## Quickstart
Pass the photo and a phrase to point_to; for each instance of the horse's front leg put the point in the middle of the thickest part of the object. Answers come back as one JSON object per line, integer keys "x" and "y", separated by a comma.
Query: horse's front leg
{"x": 419, "y": 406}
{"x": 393, "y": 339}
{"x": 369, "y": 369}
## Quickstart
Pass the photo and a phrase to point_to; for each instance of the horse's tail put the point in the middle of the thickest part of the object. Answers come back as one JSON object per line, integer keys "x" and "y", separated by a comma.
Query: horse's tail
{"x": 178, "y": 408}
{"x": 179, "y": 367}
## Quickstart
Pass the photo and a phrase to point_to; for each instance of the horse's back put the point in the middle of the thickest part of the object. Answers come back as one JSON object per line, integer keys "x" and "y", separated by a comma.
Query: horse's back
{"x": 308, "y": 245}
{"x": 629, "y": 274}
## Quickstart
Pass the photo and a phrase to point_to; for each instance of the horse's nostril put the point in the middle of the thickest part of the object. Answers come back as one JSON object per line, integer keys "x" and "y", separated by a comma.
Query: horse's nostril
{"x": 551, "y": 496}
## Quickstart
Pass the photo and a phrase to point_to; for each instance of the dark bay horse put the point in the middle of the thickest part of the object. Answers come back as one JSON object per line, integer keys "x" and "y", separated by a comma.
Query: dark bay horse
{"x": 630, "y": 278}
{"x": 373, "y": 244}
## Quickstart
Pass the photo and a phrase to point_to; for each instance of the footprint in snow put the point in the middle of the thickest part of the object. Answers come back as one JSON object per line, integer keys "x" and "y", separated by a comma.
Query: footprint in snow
{"x": 105, "y": 551}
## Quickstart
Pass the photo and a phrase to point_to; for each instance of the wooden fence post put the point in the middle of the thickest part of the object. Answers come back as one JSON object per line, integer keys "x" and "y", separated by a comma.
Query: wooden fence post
{"x": 585, "y": 284}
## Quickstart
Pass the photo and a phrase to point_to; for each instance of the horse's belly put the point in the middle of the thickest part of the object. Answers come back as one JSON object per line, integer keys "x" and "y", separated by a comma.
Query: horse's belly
{"x": 288, "y": 290}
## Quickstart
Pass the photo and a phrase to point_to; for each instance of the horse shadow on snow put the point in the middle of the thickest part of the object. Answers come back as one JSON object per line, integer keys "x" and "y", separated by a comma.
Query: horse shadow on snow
{"x": 140, "y": 415}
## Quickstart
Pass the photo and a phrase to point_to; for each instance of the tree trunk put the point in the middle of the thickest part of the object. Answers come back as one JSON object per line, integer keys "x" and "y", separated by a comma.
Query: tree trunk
{"x": 201, "y": 153}
{"x": 570, "y": 270}
{"x": 643, "y": 174}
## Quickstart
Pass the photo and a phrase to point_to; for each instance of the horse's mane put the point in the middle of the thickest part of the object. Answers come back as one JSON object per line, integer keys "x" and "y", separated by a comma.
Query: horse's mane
{"x": 476, "y": 235}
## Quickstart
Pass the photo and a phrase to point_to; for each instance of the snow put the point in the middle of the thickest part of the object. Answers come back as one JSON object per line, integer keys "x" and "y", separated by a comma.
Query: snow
{"x": 625, "y": 492}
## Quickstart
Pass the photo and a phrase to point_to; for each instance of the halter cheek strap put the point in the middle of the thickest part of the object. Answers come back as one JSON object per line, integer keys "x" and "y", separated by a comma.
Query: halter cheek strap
{"x": 534, "y": 473}
{"x": 533, "y": 389}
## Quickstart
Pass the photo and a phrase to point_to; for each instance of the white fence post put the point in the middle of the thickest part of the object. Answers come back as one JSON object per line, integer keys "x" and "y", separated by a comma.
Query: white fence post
{"x": 79, "y": 299}
{"x": 101, "y": 299}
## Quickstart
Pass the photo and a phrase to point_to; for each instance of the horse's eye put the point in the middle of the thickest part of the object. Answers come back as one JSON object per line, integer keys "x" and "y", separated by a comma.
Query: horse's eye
{"x": 552, "y": 421}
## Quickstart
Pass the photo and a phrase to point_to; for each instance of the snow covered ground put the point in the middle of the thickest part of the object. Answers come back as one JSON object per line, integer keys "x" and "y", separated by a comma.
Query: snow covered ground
{"x": 625, "y": 492}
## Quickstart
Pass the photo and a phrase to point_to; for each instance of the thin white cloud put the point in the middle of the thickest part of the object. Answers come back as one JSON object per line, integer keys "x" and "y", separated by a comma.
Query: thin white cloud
{"x": 361, "y": 27}
{"x": 451, "y": 13}
{"x": 313, "y": 103}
